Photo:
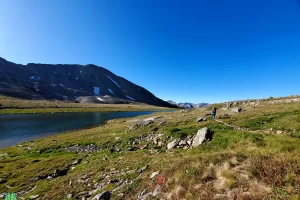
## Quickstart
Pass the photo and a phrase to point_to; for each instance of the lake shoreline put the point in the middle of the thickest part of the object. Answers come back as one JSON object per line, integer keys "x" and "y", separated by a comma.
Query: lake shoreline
{"x": 77, "y": 110}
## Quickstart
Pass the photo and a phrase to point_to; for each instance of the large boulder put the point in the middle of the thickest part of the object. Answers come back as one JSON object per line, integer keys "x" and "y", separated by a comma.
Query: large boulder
{"x": 204, "y": 134}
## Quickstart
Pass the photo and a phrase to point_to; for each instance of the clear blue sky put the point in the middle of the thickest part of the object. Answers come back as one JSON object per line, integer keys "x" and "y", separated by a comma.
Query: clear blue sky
{"x": 195, "y": 51}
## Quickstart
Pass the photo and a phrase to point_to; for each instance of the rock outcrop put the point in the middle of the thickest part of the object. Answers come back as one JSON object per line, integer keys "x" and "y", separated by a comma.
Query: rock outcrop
{"x": 204, "y": 134}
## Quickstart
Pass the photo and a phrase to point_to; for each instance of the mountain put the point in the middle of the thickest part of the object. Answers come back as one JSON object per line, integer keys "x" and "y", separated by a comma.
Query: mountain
{"x": 69, "y": 82}
{"x": 188, "y": 105}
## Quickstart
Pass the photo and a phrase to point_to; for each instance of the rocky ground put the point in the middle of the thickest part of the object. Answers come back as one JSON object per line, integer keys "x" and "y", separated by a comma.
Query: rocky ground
{"x": 251, "y": 151}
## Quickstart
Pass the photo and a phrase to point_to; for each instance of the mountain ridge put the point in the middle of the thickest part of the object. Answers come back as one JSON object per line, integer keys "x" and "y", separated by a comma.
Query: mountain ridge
{"x": 188, "y": 105}
{"x": 69, "y": 82}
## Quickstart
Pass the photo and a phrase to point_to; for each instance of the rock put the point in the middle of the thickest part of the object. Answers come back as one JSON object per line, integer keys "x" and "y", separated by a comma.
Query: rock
{"x": 132, "y": 148}
{"x": 162, "y": 123}
{"x": 202, "y": 135}
{"x": 59, "y": 172}
{"x": 159, "y": 144}
{"x": 279, "y": 132}
{"x": 34, "y": 196}
{"x": 154, "y": 174}
{"x": 156, "y": 140}
{"x": 135, "y": 126}
{"x": 182, "y": 143}
{"x": 148, "y": 122}
{"x": 155, "y": 192}
{"x": 117, "y": 138}
{"x": 201, "y": 119}
{"x": 41, "y": 177}
{"x": 237, "y": 110}
{"x": 173, "y": 144}
{"x": 2, "y": 181}
{"x": 141, "y": 170}
{"x": 152, "y": 118}
{"x": 76, "y": 162}
{"x": 104, "y": 195}
{"x": 83, "y": 149}
{"x": 69, "y": 196}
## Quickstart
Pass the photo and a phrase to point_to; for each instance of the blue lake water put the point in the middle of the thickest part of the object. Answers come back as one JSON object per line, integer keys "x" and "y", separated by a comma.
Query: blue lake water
{"x": 25, "y": 127}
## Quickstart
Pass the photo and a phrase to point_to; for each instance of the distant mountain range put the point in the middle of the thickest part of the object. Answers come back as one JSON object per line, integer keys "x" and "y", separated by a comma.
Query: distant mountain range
{"x": 188, "y": 105}
{"x": 82, "y": 83}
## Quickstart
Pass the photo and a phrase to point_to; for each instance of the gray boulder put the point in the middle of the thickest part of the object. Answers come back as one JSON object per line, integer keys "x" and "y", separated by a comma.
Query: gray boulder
{"x": 204, "y": 134}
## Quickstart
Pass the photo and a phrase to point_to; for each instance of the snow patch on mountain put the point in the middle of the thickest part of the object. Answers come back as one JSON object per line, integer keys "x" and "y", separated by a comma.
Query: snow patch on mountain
{"x": 110, "y": 91}
{"x": 113, "y": 81}
{"x": 96, "y": 90}
{"x": 130, "y": 98}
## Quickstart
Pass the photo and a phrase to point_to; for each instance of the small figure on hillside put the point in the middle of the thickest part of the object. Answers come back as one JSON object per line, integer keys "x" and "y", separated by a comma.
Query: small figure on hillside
{"x": 214, "y": 112}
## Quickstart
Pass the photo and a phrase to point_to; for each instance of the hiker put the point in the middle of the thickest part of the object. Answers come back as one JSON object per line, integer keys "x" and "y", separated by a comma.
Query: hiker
{"x": 214, "y": 112}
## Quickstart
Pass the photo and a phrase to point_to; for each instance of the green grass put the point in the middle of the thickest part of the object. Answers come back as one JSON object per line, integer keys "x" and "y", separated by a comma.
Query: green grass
{"x": 269, "y": 161}
{"x": 22, "y": 106}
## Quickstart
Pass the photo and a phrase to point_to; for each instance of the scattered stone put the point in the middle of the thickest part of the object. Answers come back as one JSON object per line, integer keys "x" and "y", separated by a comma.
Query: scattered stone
{"x": 132, "y": 148}
{"x": 91, "y": 148}
{"x": 34, "y": 196}
{"x": 163, "y": 123}
{"x": 182, "y": 143}
{"x": 279, "y": 132}
{"x": 2, "y": 181}
{"x": 141, "y": 170}
{"x": 237, "y": 110}
{"x": 154, "y": 174}
{"x": 173, "y": 144}
{"x": 201, "y": 119}
{"x": 204, "y": 134}
{"x": 41, "y": 177}
{"x": 76, "y": 162}
{"x": 59, "y": 172}
{"x": 117, "y": 138}
{"x": 143, "y": 195}
{"x": 104, "y": 196}
{"x": 146, "y": 123}
{"x": 69, "y": 196}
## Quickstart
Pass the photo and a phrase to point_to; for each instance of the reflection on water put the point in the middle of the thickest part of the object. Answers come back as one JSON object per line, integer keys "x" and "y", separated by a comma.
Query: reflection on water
{"x": 19, "y": 128}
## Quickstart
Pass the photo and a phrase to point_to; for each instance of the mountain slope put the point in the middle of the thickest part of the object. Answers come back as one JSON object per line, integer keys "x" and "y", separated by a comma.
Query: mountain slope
{"x": 68, "y": 82}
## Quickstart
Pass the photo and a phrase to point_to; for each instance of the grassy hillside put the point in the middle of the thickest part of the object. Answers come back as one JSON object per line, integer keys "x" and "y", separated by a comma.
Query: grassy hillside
{"x": 11, "y": 105}
{"x": 256, "y": 155}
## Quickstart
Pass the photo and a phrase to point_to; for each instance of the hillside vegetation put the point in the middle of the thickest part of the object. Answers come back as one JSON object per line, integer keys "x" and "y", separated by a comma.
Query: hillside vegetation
{"x": 9, "y": 105}
{"x": 254, "y": 154}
